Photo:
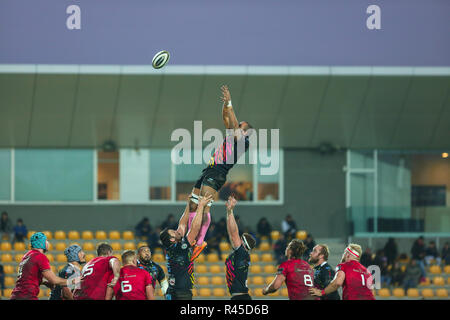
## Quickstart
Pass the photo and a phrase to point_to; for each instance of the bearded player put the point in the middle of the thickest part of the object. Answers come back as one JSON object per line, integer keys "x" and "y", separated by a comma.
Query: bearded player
{"x": 214, "y": 176}
{"x": 99, "y": 276}
{"x": 146, "y": 263}
{"x": 352, "y": 276}
{"x": 297, "y": 274}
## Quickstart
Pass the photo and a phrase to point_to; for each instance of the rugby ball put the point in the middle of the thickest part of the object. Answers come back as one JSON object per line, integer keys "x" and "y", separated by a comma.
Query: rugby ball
{"x": 160, "y": 59}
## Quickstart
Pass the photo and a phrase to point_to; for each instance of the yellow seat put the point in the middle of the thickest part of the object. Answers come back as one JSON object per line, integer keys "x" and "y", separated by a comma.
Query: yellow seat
{"x": 203, "y": 281}
{"x": 225, "y": 246}
{"x": 60, "y": 235}
{"x": 60, "y": 267}
{"x": 114, "y": 235}
{"x": 128, "y": 235}
{"x": 384, "y": 292}
{"x": 19, "y": 246}
{"x": 200, "y": 259}
{"x": 447, "y": 269}
{"x": 258, "y": 280}
{"x": 270, "y": 268}
{"x": 158, "y": 257}
{"x": 5, "y": 246}
{"x": 7, "y": 293}
{"x": 50, "y": 257}
{"x": 219, "y": 292}
{"x": 215, "y": 269}
{"x": 194, "y": 292}
{"x": 212, "y": 257}
{"x": 427, "y": 293}
{"x": 118, "y": 256}
{"x": 129, "y": 246}
{"x": 302, "y": 234}
{"x": 100, "y": 235}
{"x": 60, "y": 246}
{"x": 87, "y": 235}
{"x": 201, "y": 268}
{"x": 142, "y": 244}
{"x": 255, "y": 268}
{"x": 164, "y": 268}
{"x": 284, "y": 292}
{"x": 74, "y": 235}
{"x": 438, "y": 281}
{"x": 53, "y": 269}
{"x": 204, "y": 292}
{"x": 268, "y": 280}
{"x": 48, "y": 234}
{"x": 257, "y": 292}
{"x": 8, "y": 269}
{"x": 398, "y": 292}
{"x": 18, "y": 257}
{"x": 412, "y": 293}
{"x": 264, "y": 246}
{"x": 30, "y": 233}
{"x": 50, "y": 246}
{"x": 224, "y": 256}
{"x": 254, "y": 257}
{"x": 275, "y": 235}
{"x": 9, "y": 282}
{"x": 89, "y": 257}
{"x": 116, "y": 246}
{"x": 427, "y": 282}
{"x": 217, "y": 281}
{"x": 88, "y": 246}
{"x": 266, "y": 257}
{"x": 7, "y": 257}
{"x": 435, "y": 269}
{"x": 442, "y": 293}
{"x": 41, "y": 293}
{"x": 448, "y": 280}
{"x": 60, "y": 257}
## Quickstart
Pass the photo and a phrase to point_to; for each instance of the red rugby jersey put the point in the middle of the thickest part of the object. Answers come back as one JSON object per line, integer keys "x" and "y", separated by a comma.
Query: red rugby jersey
{"x": 357, "y": 281}
{"x": 132, "y": 284}
{"x": 299, "y": 279}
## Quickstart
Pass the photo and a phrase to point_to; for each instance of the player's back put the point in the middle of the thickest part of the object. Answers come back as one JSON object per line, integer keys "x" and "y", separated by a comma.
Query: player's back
{"x": 95, "y": 276}
{"x": 357, "y": 281}
{"x": 299, "y": 279}
{"x": 132, "y": 283}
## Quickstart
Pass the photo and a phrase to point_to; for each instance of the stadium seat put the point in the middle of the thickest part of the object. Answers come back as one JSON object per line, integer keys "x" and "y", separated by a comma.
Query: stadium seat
{"x": 60, "y": 246}
{"x": 447, "y": 269}
{"x": 203, "y": 281}
{"x": 264, "y": 246}
{"x": 30, "y": 233}
{"x": 9, "y": 282}
{"x": 100, "y": 235}
{"x": 60, "y": 257}
{"x": 255, "y": 268}
{"x": 254, "y": 257}
{"x": 224, "y": 256}
{"x": 128, "y": 235}
{"x": 89, "y": 257}
{"x": 53, "y": 269}
{"x": 200, "y": 259}
{"x": 19, "y": 246}
{"x": 118, "y": 256}
{"x": 398, "y": 292}
{"x": 73, "y": 235}
{"x": 270, "y": 268}
{"x": 18, "y": 257}
{"x": 116, "y": 246}
{"x": 427, "y": 293}
{"x": 60, "y": 267}
{"x": 60, "y": 235}
{"x": 201, "y": 269}
{"x": 257, "y": 292}
{"x": 114, "y": 235}
{"x": 412, "y": 293}
{"x": 275, "y": 235}
{"x": 219, "y": 292}
{"x": 87, "y": 235}
{"x": 158, "y": 257}
{"x": 384, "y": 292}
{"x": 164, "y": 268}
{"x": 6, "y": 257}
{"x": 217, "y": 281}
{"x": 284, "y": 292}
{"x": 435, "y": 269}
{"x": 259, "y": 281}
{"x": 225, "y": 246}
{"x": 194, "y": 292}
{"x": 5, "y": 246}
{"x": 50, "y": 246}
{"x": 442, "y": 293}
{"x": 427, "y": 282}
{"x": 204, "y": 292}
{"x": 215, "y": 269}
{"x": 48, "y": 234}
{"x": 142, "y": 244}
{"x": 7, "y": 293}
{"x": 448, "y": 280}
{"x": 212, "y": 257}
{"x": 129, "y": 246}
{"x": 88, "y": 246}
{"x": 41, "y": 293}
{"x": 8, "y": 269}
{"x": 264, "y": 238}
{"x": 301, "y": 235}
{"x": 438, "y": 281}
{"x": 266, "y": 257}
{"x": 268, "y": 279}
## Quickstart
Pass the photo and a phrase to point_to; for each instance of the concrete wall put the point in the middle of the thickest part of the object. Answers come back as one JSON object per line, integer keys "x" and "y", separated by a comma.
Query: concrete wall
{"x": 314, "y": 187}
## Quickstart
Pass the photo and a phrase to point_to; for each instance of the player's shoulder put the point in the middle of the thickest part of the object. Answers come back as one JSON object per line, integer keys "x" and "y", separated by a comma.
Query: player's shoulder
{"x": 341, "y": 266}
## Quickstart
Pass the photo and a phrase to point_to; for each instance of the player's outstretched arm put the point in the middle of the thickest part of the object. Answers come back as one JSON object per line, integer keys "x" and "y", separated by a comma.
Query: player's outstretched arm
{"x": 183, "y": 223}
{"x": 276, "y": 284}
{"x": 115, "y": 266}
{"x": 150, "y": 292}
{"x": 197, "y": 222}
{"x": 337, "y": 282}
{"x": 228, "y": 115}
{"x": 53, "y": 279}
{"x": 232, "y": 228}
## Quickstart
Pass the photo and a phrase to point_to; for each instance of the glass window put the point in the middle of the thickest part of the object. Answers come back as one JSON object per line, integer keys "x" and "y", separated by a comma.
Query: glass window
{"x": 186, "y": 177}
{"x": 268, "y": 185}
{"x": 239, "y": 183}
{"x": 160, "y": 174}
{"x": 5, "y": 175}
{"x": 53, "y": 175}
{"x": 108, "y": 175}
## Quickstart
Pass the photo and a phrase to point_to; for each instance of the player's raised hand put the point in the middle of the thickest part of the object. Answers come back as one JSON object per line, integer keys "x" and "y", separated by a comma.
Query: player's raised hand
{"x": 231, "y": 203}
{"x": 226, "y": 96}
{"x": 205, "y": 200}
{"x": 315, "y": 292}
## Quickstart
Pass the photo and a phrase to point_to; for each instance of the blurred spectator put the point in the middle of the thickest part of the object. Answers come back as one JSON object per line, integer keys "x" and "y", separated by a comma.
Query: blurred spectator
{"x": 279, "y": 249}
{"x": 310, "y": 244}
{"x": 431, "y": 253}
{"x": 390, "y": 250}
{"x": 264, "y": 229}
{"x": 20, "y": 231}
{"x": 2, "y": 280}
{"x": 213, "y": 239}
{"x": 221, "y": 229}
{"x": 445, "y": 255}
{"x": 289, "y": 227}
{"x": 381, "y": 261}
{"x": 170, "y": 223}
{"x": 412, "y": 275}
{"x": 397, "y": 274}
{"x": 418, "y": 253}
{"x": 366, "y": 258}
{"x": 6, "y": 228}
{"x": 240, "y": 225}
{"x": 153, "y": 240}
{"x": 143, "y": 229}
